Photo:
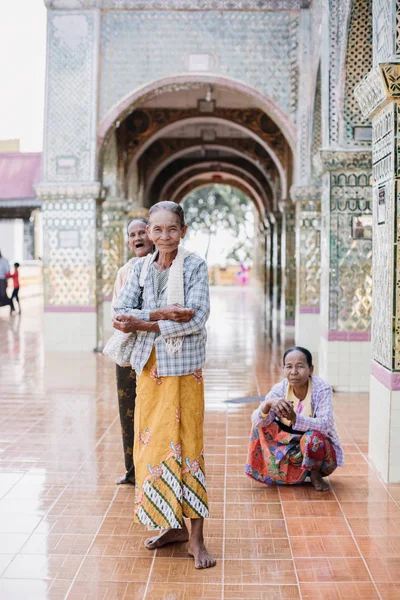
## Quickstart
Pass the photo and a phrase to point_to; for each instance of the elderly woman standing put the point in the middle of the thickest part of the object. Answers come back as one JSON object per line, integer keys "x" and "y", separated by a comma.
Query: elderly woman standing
{"x": 141, "y": 245}
{"x": 294, "y": 432}
{"x": 168, "y": 356}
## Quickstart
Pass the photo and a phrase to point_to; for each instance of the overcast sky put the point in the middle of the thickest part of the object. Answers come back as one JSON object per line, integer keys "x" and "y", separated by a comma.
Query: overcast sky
{"x": 22, "y": 71}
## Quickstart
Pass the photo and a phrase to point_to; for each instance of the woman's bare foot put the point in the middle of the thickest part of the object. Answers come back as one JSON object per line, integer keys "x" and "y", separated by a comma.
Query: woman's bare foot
{"x": 202, "y": 558}
{"x": 318, "y": 482}
{"x": 170, "y": 536}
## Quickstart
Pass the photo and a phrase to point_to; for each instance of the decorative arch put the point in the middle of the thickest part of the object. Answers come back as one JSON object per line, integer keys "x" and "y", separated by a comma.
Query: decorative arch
{"x": 217, "y": 120}
{"x": 209, "y": 169}
{"x": 168, "y": 84}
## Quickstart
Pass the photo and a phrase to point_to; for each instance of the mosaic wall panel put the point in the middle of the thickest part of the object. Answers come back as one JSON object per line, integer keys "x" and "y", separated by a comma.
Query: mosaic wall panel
{"x": 289, "y": 266}
{"x": 350, "y": 297}
{"x": 69, "y": 238}
{"x": 277, "y": 262}
{"x": 338, "y": 15}
{"x": 114, "y": 242}
{"x": 382, "y": 327}
{"x": 71, "y": 118}
{"x": 382, "y": 17}
{"x": 178, "y": 4}
{"x": 358, "y": 64}
{"x": 325, "y": 254}
{"x": 110, "y": 161}
{"x": 309, "y": 253}
{"x": 317, "y": 125}
{"x": 382, "y": 148}
{"x": 396, "y": 280}
{"x": 144, "y": 46}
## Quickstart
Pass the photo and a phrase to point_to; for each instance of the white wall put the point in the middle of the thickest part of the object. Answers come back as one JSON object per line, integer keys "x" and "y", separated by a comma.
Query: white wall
{"x": 12, "y": 240}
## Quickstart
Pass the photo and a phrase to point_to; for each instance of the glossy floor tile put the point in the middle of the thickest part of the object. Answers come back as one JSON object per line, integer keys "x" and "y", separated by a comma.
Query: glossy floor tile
{"x": 66, "y": 530}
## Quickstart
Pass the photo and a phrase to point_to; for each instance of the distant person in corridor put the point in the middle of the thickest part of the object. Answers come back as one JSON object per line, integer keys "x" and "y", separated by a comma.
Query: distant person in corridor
{"x": 294, "y": 433}
{"x": 4, "y": 271}
{"x": 15, "y": 293}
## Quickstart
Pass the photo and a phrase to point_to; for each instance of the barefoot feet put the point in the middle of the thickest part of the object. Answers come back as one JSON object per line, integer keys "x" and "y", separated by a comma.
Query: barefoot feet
{"x": 124, "y": 480}
{"x": 318, "y": 482}
{"x": 202, "y": 558}
{"x": 170, "y": 536}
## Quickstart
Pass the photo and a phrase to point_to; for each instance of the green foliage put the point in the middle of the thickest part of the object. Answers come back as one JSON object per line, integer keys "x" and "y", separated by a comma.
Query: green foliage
{"x": 219, "y": 207}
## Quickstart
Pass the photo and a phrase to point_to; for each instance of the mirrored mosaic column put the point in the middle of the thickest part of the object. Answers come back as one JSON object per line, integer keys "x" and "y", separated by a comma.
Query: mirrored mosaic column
{"x": 276, "y": 272}
{"x": 69, "y": 264}
{"x": 269, "y": 284}
{"x": 288, "y": 266}
{"x": 308, "y": 261}
{"x": 379, "y": 98}
{"x": 346, "y": 278}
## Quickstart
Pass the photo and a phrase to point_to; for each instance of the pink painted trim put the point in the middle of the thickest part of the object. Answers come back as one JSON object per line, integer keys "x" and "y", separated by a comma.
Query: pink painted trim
{"x": 70, "y": 309}
{"x": 289, "y": 323}
{"x": 267, "y": 103}
{"x": 347, "y": 336}
{"x": 107, "y": 298}
{"x": 309, "y": 310}
{"x": 390, "y": 380}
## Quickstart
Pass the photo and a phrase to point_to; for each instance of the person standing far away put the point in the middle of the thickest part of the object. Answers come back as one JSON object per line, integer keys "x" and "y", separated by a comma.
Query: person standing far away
{"x": 15, "y": 294}
{"x": 141, "y": 245}
{"x": 4, "y": 270}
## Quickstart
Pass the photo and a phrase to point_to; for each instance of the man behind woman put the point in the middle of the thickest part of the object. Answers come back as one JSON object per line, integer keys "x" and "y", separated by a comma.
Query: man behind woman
{"x": 141, "y": 245}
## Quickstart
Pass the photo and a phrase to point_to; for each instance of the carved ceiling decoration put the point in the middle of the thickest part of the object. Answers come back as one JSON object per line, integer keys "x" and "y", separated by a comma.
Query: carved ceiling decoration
{"x": 142, "y": 124}
{"x": 225, "y": 172}
{"x": 165, "y": 147}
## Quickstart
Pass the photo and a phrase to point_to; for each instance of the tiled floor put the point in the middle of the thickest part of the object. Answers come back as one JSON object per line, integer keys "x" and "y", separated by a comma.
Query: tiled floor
{"x": 66, "y": 530}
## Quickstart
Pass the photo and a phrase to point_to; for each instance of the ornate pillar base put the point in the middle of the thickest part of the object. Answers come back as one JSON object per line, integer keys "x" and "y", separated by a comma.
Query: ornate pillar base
{"x": 69, "y": 265}
{"x": 308, "y": 265}
{"x": 384, "y": 416}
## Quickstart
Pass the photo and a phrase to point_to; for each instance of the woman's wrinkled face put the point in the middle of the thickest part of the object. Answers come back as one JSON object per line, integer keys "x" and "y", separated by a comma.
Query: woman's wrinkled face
{"x": 138, "y": 240}
{"x": 165, "y": 230}
{"x": 296, "y": 368}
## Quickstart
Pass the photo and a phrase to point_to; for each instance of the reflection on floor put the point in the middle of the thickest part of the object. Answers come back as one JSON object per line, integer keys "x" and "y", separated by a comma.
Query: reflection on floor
{"x": 66, "y": 530}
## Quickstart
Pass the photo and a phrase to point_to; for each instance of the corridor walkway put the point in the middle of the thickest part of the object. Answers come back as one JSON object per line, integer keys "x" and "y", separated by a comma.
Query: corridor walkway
{"x": 66, "y": 530}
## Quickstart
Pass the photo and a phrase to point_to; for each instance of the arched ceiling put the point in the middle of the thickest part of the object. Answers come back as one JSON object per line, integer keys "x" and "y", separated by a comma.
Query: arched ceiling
{"x": 182, "y": 126}
{"x": 218, "y": 172}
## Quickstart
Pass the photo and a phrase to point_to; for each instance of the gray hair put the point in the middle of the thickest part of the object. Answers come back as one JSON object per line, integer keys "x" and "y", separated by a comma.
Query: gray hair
{"x": 141, "y": 219}
{"x": 172, "y": 207}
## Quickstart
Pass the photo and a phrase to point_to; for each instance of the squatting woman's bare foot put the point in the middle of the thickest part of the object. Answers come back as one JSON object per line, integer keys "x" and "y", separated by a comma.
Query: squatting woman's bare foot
{"x": 318, "y": 482}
